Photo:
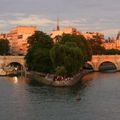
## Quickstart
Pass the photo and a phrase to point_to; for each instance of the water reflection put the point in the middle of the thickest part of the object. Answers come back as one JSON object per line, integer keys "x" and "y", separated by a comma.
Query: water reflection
{"x": 15, "y": 80}
{"x": 53, "y": 94}
{"x": 49, "y": 93}
{"x": 45, "y": 93}
{"x": 96, "y": 97}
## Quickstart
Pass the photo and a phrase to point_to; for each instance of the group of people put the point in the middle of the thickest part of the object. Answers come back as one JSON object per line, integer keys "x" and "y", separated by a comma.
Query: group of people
{"x": 60, "y": 78}
{"x": 57, "y": 78}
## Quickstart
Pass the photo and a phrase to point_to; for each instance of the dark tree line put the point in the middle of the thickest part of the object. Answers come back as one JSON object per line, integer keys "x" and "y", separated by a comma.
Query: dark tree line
{"x": 63, "y": 58}
{"x": 4, "y": 47}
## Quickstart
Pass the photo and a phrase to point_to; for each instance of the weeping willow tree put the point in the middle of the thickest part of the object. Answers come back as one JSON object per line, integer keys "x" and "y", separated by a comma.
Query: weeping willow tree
{"x": 70, "y": 54}
{"x": 81, "y": 42}
{"x": 67, "y": 58}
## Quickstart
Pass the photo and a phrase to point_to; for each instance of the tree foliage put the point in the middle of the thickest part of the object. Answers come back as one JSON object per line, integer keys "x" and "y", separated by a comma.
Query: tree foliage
{"x": 4, "y": 47}
{"x": 64, "y": 58}
{"x": 69, "y": 57}
{"x": 96, "y": 45}
{"x": 81, "y": 42}
{"x": 61, "y": 71}
{"x": 38, "y": 57}
{"x": 112, "y": 52}
{"x": 71, "y": 52}
{"x": 40, "y": 39}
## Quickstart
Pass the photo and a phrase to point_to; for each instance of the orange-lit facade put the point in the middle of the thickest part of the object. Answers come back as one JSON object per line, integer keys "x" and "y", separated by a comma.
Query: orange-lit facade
{"x": 3, "y": 36}
{"x": 60, "y": 32}
{"x": 115, "y": 44}
{"x": 92, "y": 35}
{"x": 71, "y": 30}
{"x": 18, "y": 39}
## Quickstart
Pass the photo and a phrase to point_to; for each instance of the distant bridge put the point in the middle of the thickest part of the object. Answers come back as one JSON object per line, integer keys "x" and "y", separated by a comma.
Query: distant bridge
{"x": 7, "y": 60}
{"x": 98, "y": 60}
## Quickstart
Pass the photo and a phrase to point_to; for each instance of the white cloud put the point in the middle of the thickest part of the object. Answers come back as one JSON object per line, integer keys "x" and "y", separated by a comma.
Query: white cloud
{"x": 31, "y": 20}
{"x": 2, "y": 26}
{"x": 111, "y": 32}
{"x": 9, "y": 20}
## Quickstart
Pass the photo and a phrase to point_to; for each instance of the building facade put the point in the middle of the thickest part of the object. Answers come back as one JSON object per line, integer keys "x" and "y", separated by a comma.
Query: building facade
{"x": 72, "y": 30}
{"x": 18, "y": 39}
{"x": 66, "y": 30}
{"x": 114, "y": 44}
{"x": 93, "y": 35}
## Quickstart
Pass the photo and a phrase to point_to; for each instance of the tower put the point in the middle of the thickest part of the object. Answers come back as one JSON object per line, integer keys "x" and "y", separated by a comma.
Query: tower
{"x": 118, "y": 36}
{"x": 118, "y": 41}
{"x": 58, "y": 27}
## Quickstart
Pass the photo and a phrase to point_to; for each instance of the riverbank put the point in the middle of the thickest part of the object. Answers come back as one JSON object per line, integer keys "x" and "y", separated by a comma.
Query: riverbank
{"x": 51, "y": 81}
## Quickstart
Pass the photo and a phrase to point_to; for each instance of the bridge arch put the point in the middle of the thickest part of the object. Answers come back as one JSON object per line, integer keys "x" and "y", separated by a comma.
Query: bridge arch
{"x": 88, "y": 65}
{"x": 107, "y": 65}
{"x": 20, "y": 65}
{"x": 15, "y": 64}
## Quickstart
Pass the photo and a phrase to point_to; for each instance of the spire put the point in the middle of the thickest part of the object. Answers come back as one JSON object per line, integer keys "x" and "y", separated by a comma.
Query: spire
{"x": 118, "y": 36}
{"x": 58, "y": 27}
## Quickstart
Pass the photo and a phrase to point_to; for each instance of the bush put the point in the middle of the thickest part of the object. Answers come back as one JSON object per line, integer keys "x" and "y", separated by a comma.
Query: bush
{"x": 61, "y": 71}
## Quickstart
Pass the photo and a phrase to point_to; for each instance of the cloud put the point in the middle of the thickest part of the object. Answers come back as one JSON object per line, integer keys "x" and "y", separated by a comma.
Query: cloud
{"x": 2, "y": 24}
{"x": 17, "y": 19}
{"x": 31, "y": 20}
{"x": 111, "y": 32}
{"x": 46, "y": 24}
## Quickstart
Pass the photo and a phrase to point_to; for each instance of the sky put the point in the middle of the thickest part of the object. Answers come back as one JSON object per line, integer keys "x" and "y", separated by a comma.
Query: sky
{"x": 85, "y": 15}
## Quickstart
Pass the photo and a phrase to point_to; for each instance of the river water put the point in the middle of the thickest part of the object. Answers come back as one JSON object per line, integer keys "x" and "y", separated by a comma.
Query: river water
{"x": 98, "y": 98}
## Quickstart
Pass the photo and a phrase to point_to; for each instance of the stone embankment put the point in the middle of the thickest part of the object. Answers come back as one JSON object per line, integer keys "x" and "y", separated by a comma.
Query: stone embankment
{"x": 63, "y": 82}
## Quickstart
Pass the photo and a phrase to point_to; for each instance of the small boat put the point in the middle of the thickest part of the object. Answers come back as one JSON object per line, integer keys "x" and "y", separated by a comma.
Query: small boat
{"x": 49, "y": 79}
{"x": 7, "y": 71}
{"x": 2, "y": 72}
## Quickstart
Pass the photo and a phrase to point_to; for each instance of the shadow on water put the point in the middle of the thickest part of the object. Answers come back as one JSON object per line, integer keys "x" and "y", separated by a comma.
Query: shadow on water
{"x": 33, "y": 83}
{"x": 107, "y": 67}
{"x": 59, "y": 93}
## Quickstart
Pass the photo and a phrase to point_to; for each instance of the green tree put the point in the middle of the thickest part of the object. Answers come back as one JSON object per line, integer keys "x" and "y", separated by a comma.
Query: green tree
{"x": 81, "y": 42}
{"x": 38, "y": 57}
{"x": 112, "y": 52}
{"x": 57, "y": 38}
{"x": 40, "y": 39}
{"x": 97, "y": 48}
{"x": 61, "y": 71}
{"x": 68, "y": 56}
{"x": 96, "y": 45}
{"x": 4, "y": 47}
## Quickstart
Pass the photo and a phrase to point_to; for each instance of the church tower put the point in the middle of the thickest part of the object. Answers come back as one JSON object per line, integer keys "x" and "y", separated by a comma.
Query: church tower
{"x": 58, "y": 27}
{"x": 118, "y": 36}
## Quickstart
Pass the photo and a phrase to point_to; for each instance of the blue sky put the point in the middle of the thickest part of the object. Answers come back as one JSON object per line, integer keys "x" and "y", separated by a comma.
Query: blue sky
{"x": 85, "y": 15}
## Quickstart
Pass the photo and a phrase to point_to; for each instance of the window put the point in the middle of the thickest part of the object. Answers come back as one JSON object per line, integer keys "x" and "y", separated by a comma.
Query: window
{"x": 20, "y": 36}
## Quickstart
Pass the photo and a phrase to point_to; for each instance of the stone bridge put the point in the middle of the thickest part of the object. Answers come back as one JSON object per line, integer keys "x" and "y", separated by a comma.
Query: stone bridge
{"x": 6, "y": 60}
{"x": 98, "y": 60}
{"x": 95, "y": 63}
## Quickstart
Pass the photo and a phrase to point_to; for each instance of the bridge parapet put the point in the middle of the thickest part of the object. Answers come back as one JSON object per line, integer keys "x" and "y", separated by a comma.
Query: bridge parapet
{"x": 6, "y": 60}
{"x": 97, "y": 60}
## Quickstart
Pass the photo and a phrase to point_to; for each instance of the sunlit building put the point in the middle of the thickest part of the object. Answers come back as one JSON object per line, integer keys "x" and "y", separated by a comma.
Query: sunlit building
{"x": 93, "y": 35}
{"x": 109, "y": 45}
{"x": 66, "y": 30}
{"x": 3, "y": 36}
{"x": 60, "y": 31}
{"x": 115, "y": 44}
{"x": 18, "y": 39}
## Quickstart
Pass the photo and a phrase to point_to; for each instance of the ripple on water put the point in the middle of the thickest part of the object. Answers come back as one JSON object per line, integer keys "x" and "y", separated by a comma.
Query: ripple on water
{"x": 25, "y": 100}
